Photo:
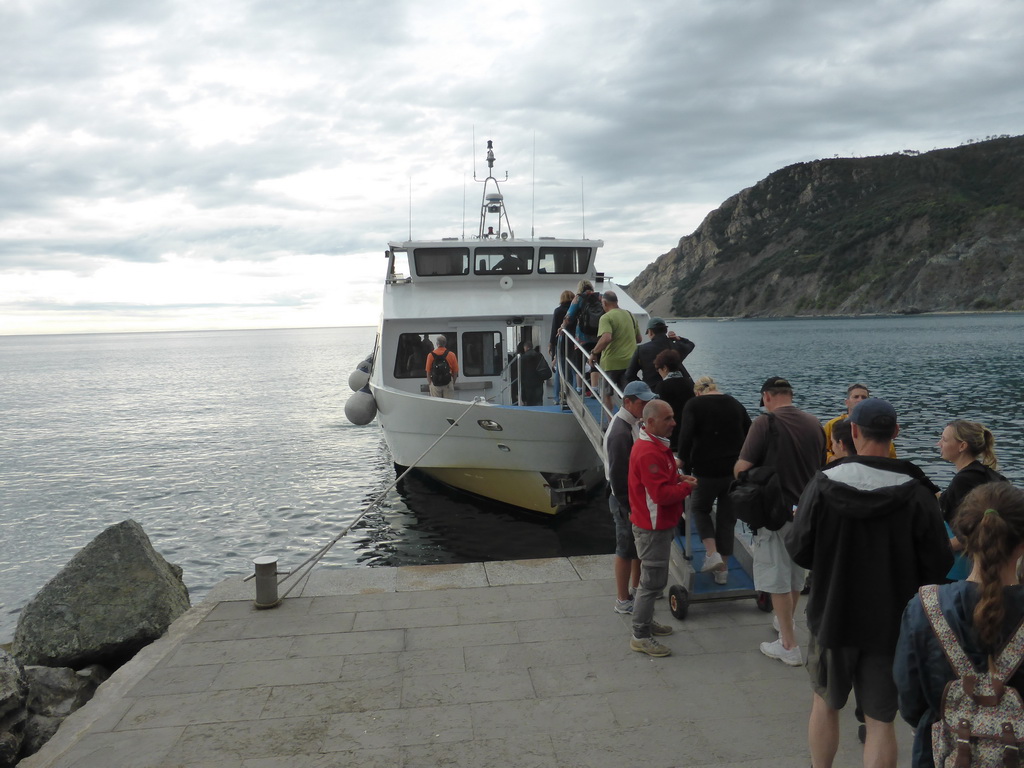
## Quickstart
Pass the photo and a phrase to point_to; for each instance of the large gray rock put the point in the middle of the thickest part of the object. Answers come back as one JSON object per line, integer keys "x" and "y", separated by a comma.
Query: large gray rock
{"x": 114, "y": 597}
{"x": 53, "y": 694}
{"x": 59, "y": 691}
{"x": 13, "y": 694}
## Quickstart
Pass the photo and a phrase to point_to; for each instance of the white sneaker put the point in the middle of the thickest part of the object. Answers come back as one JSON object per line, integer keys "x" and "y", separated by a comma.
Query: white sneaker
{"x": 721, "y": 577}
{"x": 713, "y": 563}
{"x": 775, "y": 650}
{"x": 777, "y": 627}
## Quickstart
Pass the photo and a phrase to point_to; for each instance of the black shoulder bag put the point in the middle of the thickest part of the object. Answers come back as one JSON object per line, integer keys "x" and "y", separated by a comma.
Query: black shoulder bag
{"x": 756, "y": 494}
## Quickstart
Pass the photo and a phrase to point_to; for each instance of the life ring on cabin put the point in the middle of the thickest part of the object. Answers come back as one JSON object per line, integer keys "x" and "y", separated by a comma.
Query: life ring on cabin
{"x": 505, "y": 283}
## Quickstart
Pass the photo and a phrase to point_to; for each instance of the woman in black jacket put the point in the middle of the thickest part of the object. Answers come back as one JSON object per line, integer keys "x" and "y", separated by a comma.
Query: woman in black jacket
{"x": 711, "y": 434}
{"x": 970, "y": 447}
{"x": 557, "y": 318}
{"x": 675, "y": 387}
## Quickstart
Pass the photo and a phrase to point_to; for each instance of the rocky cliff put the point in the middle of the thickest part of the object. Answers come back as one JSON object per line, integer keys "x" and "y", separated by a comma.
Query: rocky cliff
{"x": 903, "y": 233}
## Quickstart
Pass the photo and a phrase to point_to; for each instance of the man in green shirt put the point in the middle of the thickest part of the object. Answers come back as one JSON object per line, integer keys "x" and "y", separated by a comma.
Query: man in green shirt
{"x": 617, "y": 337}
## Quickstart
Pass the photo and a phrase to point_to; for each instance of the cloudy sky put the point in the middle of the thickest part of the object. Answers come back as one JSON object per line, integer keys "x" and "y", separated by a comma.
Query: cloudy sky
{"x": 186, "y": 164}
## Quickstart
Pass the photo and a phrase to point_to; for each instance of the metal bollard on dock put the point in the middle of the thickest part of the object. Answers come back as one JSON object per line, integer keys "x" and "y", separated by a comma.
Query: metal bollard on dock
{"x": 266, "y": 582}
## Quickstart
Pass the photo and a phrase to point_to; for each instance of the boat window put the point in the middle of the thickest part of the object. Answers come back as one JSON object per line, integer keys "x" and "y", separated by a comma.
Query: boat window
{"x": 441, "y": 261}
{"x": 563, "y": 261}
{"x": 482, "y": 354}
{"x": 413, "y": 348}
{"x": 502, "y": 260}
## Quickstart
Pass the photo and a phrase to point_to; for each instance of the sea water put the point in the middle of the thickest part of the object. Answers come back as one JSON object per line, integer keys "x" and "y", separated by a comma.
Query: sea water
{"x": 228, "y": 445}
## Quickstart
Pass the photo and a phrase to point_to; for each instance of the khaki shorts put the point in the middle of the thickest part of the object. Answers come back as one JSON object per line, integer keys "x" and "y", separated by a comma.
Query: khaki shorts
{"x": 774, "y": 570}
{"x": 834, "y": 672}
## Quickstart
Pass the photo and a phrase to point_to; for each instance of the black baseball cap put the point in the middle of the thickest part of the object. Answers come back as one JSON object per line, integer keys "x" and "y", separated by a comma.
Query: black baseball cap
{"x": 774, "y": 382}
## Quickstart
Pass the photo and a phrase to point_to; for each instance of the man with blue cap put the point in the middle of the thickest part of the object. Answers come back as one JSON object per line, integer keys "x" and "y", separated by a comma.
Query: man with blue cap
{"x": 618, "y": 442}
{"x": 869, "y": 528}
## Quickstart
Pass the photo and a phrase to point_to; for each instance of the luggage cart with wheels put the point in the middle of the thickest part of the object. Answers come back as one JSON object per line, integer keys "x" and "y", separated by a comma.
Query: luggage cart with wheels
{"x": 688, "y": 585}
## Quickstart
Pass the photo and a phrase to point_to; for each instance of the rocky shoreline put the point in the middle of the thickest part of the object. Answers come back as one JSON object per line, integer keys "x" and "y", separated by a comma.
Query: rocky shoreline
{"x": 843, "y": 315}
{"x": 938, "y": 232}
{"x": 113, "y": 598}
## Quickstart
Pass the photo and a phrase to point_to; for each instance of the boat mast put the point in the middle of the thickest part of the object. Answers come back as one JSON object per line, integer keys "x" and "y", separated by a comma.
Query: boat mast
{"x": 492, "y": 205}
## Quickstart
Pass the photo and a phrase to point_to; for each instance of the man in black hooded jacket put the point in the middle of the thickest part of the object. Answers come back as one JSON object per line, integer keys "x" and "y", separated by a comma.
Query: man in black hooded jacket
{"x": 870, "y": 529}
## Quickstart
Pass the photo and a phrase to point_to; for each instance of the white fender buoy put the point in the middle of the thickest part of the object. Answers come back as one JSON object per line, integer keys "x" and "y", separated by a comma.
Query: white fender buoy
{"x": 360, "y": 408}
{"x": 359, "y": 377}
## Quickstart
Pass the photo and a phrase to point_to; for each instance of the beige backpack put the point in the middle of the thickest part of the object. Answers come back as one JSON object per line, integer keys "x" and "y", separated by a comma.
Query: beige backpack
{"x": 981, "y": 724}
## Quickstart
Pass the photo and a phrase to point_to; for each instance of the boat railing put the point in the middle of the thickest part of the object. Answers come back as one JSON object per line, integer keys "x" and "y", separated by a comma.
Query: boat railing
{"x": 575, "y": 388}
{"x": 504, "y": 396}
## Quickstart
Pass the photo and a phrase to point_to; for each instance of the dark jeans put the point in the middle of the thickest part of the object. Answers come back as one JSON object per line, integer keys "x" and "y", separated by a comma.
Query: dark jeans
{"x": 708, "y": 490}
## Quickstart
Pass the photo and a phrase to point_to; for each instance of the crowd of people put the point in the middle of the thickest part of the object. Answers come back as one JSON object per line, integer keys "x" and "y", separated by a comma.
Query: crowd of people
{"x": 867, "y": 530}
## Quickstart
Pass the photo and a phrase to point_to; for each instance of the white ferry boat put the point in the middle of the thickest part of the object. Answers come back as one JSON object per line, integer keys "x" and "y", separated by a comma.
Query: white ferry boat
{"x": 485, "y": 294}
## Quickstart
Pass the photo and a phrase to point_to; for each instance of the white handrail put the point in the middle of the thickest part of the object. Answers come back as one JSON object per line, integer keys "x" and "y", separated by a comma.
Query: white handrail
{"x": 606, "y": 385}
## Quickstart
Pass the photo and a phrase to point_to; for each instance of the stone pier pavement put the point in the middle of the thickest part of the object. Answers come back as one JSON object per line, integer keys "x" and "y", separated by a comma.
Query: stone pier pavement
{"x": 487, "y": 665}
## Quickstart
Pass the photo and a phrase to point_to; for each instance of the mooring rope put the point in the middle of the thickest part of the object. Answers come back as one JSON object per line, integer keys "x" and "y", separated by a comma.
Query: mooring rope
{"x": 319, "y": 554}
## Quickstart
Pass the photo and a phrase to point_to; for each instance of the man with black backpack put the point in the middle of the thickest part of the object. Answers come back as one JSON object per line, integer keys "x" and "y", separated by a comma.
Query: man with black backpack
{"x": 798, "y": 452}
{"x": 584, "y": 314}
{"x": 442, "y": 370}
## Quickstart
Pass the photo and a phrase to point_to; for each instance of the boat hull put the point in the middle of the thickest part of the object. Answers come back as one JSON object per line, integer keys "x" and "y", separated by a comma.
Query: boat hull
{"x": 534, "y": 458}
{"x": 527, "y": 490}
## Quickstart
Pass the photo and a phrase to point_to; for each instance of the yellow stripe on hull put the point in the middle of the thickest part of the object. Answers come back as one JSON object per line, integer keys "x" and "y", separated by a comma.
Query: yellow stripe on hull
{"x": 518, "y": 488}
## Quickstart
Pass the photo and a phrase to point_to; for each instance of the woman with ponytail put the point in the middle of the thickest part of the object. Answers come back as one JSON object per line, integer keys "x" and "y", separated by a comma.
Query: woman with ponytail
{"x": 970, "y": 447}
{"x": 984, "y": 611}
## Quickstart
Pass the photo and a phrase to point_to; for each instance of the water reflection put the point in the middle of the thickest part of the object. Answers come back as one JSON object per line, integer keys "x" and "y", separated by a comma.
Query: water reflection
{"x": 427, "y": 523}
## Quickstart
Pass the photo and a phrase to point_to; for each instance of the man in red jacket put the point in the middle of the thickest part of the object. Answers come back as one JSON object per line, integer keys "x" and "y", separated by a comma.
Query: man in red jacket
{"x": 656, "y": 493}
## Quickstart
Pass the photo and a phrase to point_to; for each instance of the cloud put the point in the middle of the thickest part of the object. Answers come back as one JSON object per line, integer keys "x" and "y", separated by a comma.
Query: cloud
{"x": 250, "y": 133}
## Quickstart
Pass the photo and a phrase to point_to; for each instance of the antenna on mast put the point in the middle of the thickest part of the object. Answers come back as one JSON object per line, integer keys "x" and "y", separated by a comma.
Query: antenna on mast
{"x": 493, "y": 202}
{"x": 410, "y": 207}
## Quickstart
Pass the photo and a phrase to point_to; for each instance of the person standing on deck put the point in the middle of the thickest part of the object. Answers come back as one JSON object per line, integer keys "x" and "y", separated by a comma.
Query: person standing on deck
{"x": 442, "y": 370}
